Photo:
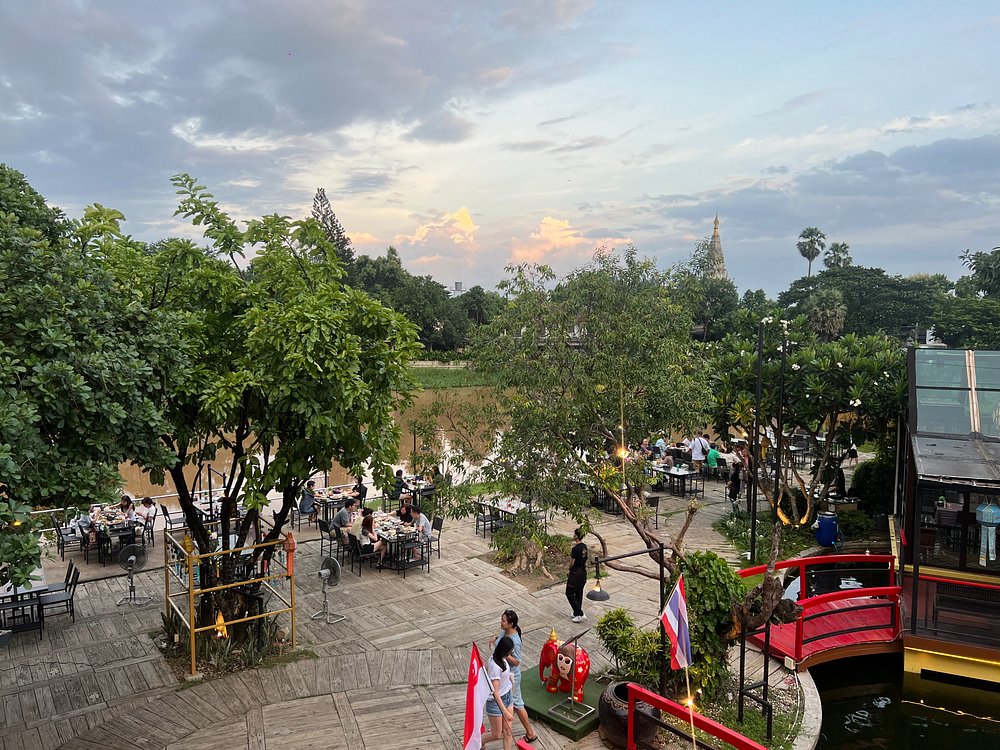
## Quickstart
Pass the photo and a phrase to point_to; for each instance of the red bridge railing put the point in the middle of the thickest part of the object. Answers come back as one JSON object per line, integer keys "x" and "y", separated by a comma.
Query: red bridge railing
{"x": 877, "y": 591}
{"x": 708, "y": 726}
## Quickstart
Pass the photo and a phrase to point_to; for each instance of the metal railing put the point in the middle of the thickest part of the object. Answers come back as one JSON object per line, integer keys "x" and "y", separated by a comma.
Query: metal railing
{"x": 184, "y": 566}
{"x": 712, "y": 728}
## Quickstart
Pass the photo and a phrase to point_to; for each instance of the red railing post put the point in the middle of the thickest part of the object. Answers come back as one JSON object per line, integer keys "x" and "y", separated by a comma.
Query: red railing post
{"x": 631, "y": 718}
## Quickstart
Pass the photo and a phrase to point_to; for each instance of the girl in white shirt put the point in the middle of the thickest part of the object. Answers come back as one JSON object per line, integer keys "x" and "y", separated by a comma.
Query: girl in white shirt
{"x": 498, "y": 705}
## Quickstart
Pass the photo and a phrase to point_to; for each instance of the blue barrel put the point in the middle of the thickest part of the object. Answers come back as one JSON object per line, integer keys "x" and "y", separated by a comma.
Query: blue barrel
{"x": 826, "y": 534}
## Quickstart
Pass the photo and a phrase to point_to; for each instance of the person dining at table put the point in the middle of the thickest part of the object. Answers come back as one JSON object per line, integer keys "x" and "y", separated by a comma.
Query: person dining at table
{"x": 364, "y": 530}
{"x": 342, "y": 520}
{"x": 146, "y": 510}
{"x": 307, "y": 505}
{"x": 422, "y": 525}
{"x": 405, "y": 513}
{"x": 644, "y": 451}
{"x": 127, "y": 508}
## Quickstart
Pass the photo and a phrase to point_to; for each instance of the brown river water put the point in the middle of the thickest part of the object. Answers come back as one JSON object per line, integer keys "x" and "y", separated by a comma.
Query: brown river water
{"x": 137, "y": 483}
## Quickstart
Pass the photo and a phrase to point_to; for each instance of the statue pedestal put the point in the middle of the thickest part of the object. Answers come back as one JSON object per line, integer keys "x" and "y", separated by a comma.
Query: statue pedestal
{"x": 538, "y": 701}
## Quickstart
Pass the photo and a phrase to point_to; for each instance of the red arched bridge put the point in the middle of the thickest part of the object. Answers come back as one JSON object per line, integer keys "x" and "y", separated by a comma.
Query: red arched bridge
{"x": 850, "y": 607}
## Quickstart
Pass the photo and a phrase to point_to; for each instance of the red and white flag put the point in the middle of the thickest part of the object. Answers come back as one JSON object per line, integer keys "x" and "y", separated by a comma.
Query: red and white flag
{"x": 476, "y": 694}
{"x": 675, "y": 620}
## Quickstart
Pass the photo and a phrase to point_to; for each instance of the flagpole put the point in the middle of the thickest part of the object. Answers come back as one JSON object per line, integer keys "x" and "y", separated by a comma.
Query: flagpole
{"x": 690, "y": 702}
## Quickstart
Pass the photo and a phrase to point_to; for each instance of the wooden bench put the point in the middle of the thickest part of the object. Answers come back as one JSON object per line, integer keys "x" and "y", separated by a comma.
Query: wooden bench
{"x": 967, "y": 600}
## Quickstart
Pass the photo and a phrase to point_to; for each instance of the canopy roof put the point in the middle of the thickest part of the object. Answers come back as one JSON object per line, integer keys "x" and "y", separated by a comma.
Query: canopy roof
{"x": 954, "y": 420}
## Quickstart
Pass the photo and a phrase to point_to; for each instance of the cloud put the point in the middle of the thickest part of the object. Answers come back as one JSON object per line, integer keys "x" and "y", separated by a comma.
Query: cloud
{"x": 456, "y": 228}
{"x": 539, "y": 145}
{"x": 441, "y": 127}
{"x": 799, "y": 101}
{"x": 552, "y": 238}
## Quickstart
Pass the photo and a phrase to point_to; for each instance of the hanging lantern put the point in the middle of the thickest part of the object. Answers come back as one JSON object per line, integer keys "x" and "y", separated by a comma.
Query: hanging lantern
{"x": 988, "y": 516}
{"x": 220, "y": 626}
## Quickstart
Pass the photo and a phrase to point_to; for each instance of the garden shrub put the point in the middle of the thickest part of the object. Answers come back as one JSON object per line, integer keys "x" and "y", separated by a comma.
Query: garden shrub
{"x": 855, "y": 524}
{"x": 872, "y": 482}
{"x": 711, "y": 589}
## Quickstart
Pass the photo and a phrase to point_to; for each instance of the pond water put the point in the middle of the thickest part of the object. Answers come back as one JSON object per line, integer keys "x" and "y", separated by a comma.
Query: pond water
{"x": 864, "y": 709}
{"x": 137, "y": 483}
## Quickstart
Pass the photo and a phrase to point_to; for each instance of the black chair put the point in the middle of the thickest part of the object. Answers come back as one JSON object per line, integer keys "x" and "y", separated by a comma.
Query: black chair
{"x": 722, "y": 470}
{"x": 653, "y": 501}
{"x": 435, "y": 540}
{"x": 53, "y": 587}
{"x": 329, "y": 536}
{"x": 483, "y": 518}
{"x": 295, "y": 519}
{"x": 63, "y": 598}
{"x": 172, "y": 520}
{"x": 359, "y": 555}
{"x": 147, "y": 528}
{"x": 65, "y": 537}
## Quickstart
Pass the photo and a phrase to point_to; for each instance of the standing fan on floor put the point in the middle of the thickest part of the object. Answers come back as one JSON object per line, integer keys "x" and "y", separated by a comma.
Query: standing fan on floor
{"x": 329, "y": 574}
{"x": 133, "y": 558}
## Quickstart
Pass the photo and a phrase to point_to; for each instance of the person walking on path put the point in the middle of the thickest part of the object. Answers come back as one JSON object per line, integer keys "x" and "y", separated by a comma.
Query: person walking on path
{"x": 577, "y": 576}
{"x": 509, "y": 628}
{"x": 498, "y": 705}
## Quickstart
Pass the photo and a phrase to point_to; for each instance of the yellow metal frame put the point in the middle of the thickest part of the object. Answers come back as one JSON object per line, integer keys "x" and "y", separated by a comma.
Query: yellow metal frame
{"x": 191, "y": 591}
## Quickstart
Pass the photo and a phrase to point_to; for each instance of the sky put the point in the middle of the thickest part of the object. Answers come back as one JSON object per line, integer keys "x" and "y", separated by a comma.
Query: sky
{"x": 472, "y": 134}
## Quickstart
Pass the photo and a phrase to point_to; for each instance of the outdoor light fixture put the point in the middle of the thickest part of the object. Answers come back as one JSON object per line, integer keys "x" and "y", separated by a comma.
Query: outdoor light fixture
{"x": 597, "y": 594}
{"x": 220, "y": 627}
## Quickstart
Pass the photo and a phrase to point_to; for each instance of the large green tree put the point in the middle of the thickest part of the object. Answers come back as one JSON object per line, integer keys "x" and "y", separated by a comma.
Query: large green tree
{"x": 876, "y": 302}
{"x": 289, "y": 370}
{"x": 849, "y": 390}
{"x": 81, "y": 370}
{"x": 838, "y": 255}
{"x": 82, "y": 366}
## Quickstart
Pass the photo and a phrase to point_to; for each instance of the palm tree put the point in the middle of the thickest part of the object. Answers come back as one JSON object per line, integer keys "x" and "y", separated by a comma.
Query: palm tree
{"x": 838, "y": 255}
{"x": 810, "y": 245}
{"x": 826, "y": 312}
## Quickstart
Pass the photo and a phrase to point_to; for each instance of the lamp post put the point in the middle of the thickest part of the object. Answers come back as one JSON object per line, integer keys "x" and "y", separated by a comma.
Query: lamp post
{"x": 755, "y": 455}
{"x": 598, "y": 594}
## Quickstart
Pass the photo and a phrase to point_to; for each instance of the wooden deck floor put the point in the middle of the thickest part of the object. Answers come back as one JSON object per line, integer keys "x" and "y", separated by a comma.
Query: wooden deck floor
{"x": 391, "y": 675}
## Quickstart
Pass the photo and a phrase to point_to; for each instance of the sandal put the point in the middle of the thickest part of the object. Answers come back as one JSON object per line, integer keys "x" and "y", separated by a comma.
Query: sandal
{"x": 530, "y": 740}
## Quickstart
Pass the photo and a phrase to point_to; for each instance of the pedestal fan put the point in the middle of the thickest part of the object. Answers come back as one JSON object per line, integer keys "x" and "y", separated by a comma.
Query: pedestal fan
{"x": 133, "y": 558}
{"x": 329, "y": 574}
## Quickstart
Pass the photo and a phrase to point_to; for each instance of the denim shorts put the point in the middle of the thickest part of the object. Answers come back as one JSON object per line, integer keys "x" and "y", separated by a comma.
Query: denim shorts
{"x": 492, "y": 709}
{"x": 515, "y": 690}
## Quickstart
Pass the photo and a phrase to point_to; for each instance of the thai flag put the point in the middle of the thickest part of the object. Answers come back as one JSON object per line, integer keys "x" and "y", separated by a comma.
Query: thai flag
{"x": 675, "y": 621}
{"x": 476, "y": 693}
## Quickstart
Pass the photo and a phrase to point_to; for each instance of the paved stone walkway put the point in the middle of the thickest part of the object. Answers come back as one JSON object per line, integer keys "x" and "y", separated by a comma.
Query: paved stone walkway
{"x": 392, "y": 675}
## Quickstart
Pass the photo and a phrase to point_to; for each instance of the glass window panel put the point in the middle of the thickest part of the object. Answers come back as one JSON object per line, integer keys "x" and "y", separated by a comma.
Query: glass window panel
{"x": 987, "y": 370}
{"x": 945, "y": 412}
{"x": 941, "y": 367}
{"x": 989, "y": 412}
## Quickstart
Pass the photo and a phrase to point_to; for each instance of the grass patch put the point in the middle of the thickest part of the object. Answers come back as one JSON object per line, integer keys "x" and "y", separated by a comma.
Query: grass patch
{"x": 754, "y": 724}
{"x": 447, "y": 377}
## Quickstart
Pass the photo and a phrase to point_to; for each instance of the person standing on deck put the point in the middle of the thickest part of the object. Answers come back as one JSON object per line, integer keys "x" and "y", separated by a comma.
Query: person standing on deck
{"x": 509, "y": 628}
{"x": 577, "y": 577}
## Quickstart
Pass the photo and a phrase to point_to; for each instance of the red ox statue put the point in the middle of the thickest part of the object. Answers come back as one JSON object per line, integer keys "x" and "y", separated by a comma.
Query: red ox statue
{"x": 561, "y": 659}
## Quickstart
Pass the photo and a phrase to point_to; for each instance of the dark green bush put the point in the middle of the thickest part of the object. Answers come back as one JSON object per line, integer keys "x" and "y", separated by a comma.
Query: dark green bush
{"x": 872, "y": 482}
{"x": 855, "y": 524}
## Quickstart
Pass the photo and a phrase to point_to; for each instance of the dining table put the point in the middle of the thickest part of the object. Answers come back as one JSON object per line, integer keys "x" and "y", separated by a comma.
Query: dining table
{"x": 21, "y": 606}
{"x": 681, "y": 480}
{"x": 399, "y": 538}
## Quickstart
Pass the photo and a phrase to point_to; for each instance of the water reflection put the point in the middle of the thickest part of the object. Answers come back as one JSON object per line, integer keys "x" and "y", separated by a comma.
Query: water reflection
{"x": 864, "y": 709}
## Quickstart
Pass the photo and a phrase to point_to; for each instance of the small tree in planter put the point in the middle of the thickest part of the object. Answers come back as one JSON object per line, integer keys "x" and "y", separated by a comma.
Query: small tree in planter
{"x": 712, "y": 590}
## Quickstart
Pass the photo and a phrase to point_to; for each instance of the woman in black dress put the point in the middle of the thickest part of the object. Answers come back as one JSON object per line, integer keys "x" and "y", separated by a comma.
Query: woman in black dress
{"x": 577, "y": 576}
